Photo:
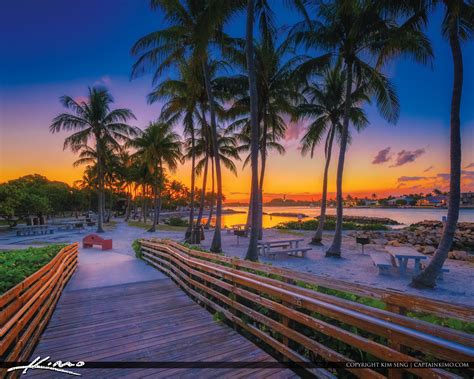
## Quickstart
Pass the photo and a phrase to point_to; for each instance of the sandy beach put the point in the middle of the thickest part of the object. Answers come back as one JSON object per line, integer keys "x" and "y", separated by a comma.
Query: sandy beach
{"x": 353, "y": 267}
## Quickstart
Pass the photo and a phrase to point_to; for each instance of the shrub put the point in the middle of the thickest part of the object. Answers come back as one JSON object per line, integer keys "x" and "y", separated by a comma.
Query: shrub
{"x": 177, "y": 221}
{"x": 17, "y": 265}
{"x": 137, "y": 248}
{"x": 330, "y": 224}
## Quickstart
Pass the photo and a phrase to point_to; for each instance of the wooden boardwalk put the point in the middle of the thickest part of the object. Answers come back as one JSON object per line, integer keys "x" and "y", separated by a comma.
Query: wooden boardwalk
{"x": 140, "y": 322}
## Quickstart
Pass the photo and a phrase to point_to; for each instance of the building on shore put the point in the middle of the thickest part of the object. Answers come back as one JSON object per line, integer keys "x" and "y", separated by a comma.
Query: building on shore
{"x": 434, "y": 201}
{"x": 467, "y": 199}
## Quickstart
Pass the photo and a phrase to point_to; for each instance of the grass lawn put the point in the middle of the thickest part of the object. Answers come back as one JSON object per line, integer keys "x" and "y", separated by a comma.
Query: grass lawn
{"x": 17, "y": 265}
{"x": 163, "y": 227}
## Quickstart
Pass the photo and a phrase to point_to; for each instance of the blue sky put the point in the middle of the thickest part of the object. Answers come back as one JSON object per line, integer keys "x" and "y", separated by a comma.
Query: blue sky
{"x": 55, "y": 47}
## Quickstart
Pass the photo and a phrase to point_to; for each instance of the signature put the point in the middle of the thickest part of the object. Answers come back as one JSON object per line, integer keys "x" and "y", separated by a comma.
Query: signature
{"x": 44, "y": 364}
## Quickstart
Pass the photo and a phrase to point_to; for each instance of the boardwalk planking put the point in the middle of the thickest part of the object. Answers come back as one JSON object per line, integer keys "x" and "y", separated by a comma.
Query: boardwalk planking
{"x": 144, "y": 321}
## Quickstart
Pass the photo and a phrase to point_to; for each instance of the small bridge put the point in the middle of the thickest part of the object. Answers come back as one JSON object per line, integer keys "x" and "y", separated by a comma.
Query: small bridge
{"x": 108, "y": 314}
{"x": 118, "y": 309}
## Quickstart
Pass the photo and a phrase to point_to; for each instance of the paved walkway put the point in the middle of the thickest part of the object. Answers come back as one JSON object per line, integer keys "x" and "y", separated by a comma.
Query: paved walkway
{"x": 117, "y": 308}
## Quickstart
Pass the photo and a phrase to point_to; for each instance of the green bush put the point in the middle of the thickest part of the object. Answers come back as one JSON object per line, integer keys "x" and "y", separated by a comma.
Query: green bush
{"x": 137, "y": 248}
{"x": 17, "y": 265}
{"x": 330, "y": 224}
{"x": 177, "y": 221}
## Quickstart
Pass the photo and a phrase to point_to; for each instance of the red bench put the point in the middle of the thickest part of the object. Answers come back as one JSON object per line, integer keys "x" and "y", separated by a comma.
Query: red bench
{"x": 94, "y": 239}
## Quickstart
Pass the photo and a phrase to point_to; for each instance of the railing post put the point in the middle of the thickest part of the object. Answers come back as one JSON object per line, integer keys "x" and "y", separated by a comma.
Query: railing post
{"x": 284, "y": 320}
{"x": 396, "y": 373}
{"x": 234, "y": 296}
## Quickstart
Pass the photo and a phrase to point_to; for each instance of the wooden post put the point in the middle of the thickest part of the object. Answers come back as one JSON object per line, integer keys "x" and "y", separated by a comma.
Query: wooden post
{"x": 396, "y": 373}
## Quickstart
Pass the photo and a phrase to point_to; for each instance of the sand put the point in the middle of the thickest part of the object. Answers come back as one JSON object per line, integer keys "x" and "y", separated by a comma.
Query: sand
{"x": 354, "y": 266}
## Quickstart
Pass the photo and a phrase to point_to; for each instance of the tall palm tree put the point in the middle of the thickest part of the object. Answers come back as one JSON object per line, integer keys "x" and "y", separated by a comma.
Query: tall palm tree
{"x": 93, "y": 120}
{"x": 157, "y": 146}
{"x": 357, "y": 32}
{"x": 458, "y": 25}
{"x": 193, "y": 26}
{"x": 228, "y": 154}
{"x": 326, "y": 107}
{"x": 278, "y": 92}
{"x": 183, "y": 97}
{"x": 252, "y": 251}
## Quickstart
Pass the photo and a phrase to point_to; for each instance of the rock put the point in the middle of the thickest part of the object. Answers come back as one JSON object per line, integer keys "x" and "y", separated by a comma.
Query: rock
{"x": 460, "y": 255}
{"x": 393, "y": 243}
{"x": 429, "y": 250}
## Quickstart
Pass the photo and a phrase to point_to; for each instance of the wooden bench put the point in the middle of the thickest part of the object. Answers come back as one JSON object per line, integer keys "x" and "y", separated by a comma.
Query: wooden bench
{"x": 383, "y": 262}
{"x": 297, "y": 252}
{"x": 93, "y": 239}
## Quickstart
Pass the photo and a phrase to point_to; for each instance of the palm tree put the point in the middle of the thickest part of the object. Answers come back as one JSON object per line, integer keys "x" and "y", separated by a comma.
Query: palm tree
{"x": 357, "y": 32}
{"x": 93, "y": 120}
{"x": 326, "y": 107}
{"x": 228, "y": 153}
{"x": 157, "y": 146}
{"x": 458, "y": 25}
{"x": 278, "y": 93}
{"x": 183, "y": 97}
{"x": 193, "y": 26}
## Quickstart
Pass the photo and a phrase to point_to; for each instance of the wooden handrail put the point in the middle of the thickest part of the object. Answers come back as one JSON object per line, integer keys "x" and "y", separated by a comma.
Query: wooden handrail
{"x": 223, "y": 284}
{"x": 26, "y": 308}
{"x": 393, "y": 299}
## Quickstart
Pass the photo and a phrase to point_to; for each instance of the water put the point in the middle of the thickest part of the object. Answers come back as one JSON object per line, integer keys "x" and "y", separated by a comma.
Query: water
{"x": 404, "y": 216}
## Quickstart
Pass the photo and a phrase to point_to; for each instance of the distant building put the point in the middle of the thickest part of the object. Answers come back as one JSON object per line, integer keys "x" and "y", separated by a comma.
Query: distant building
{"x": 436, "y": 201}
{"x": 368, "y": 202}
{"x": 467, "y": 199}
{"x": 404, "y": 200}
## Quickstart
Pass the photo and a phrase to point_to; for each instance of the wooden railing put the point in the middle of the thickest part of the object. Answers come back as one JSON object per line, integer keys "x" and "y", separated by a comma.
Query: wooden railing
{"x": 303, "y": 325}
{"x": 26, "y": 308}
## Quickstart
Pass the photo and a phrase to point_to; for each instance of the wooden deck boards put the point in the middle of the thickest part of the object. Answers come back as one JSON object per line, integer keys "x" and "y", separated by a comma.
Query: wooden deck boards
{"x": 144, "y": 321}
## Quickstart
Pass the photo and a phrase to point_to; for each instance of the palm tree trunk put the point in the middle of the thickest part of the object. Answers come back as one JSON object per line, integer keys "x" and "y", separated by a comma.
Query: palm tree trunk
{"x": 262, "y": 177}
{"x": 160, "y": 191}
{"x": 216, "y": 245}
{"x": 189, "y": 229}
{"x": 211, "y": 210}
{"x": 427, "y": 279}
{"x": 197, "y": 236}
{"x": 252, "y": 251}
{"x": 316, "y": 240}
{"x": 335, "y": 248}
{"x": 100, "y": 188}
{"x": 129, "y": 203}
{"x": 155, "y": 201}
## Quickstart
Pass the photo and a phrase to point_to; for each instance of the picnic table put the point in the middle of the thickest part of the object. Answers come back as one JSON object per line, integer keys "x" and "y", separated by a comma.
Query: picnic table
{"x": 403, "y": 255}
{"x": 33, "y": 230}
{"x": 289, "y": 247}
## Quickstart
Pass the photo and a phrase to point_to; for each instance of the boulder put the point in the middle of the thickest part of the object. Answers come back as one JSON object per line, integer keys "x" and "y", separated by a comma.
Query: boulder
{"x": 428, "y": 249}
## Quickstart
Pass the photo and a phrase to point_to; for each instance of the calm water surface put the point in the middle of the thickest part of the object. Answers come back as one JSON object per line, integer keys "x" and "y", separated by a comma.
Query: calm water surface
{"x": 404, "y": 216}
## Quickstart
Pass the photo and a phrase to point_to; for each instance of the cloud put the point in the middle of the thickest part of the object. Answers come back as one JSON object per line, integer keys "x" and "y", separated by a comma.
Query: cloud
{"x": 81, "y": 99}
{"x": 410, "y": 178}
{"x": 406, "y": 156}
{"x": 428, "y": 169}
{"x": 443, "y": 176}
{"x": 103, "y": 81}
{"x": 401, "y": 185}
{"x": 294, "y": 131}
{"x": 470, "y": 165}
{"x": 382, "y": 156}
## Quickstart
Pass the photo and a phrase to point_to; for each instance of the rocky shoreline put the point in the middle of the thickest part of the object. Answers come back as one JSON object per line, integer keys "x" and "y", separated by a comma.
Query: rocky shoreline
{"x": 424, "y": 236}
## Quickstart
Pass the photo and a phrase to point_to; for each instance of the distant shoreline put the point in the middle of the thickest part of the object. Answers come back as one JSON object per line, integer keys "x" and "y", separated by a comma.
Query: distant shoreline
{"x": 353, "y": 207}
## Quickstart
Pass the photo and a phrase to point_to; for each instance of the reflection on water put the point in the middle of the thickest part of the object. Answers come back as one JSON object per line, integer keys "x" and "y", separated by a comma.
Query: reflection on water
{"x": 402, "y": 215}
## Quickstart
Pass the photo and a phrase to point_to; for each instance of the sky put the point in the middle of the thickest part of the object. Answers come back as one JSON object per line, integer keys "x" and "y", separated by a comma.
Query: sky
{"x": 54, "y": 47}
